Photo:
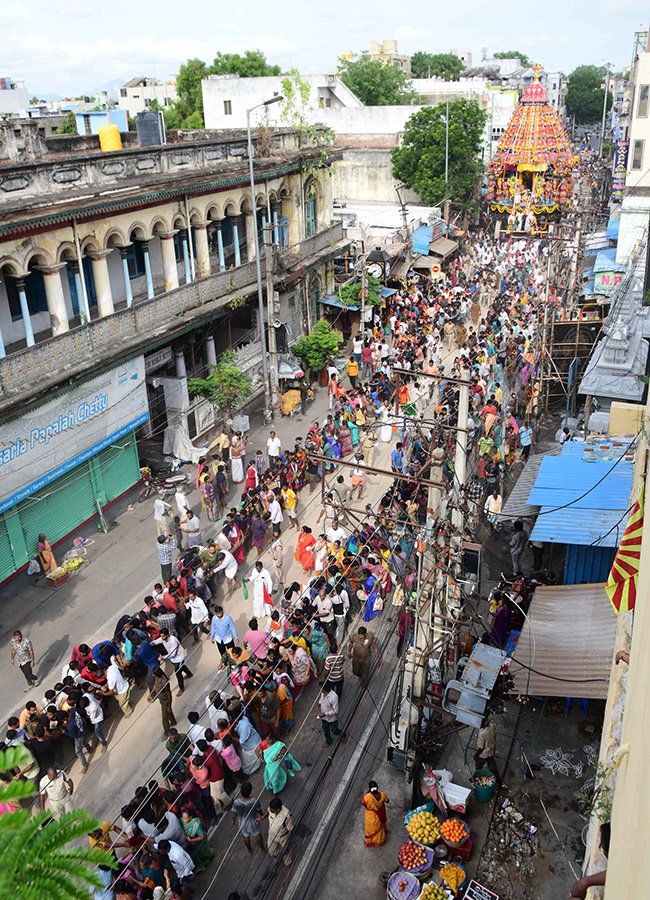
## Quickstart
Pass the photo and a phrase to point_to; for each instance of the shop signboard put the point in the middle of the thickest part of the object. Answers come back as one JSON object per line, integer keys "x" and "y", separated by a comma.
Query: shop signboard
{"x": 54, "y": 438}
{"x": 620, "y": 170}
{"x": 476, "y": 891}
{"x": 605, "y": 282}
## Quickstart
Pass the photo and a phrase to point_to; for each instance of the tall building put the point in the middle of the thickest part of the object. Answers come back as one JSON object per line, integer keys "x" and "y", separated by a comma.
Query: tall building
{"x": 121, "y": 275}
{"x": 137, "y": 94}
{"x": 386, "y": 52}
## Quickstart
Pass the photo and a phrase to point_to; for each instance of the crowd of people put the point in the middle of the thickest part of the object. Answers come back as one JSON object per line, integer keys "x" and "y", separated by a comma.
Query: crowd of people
{"x": 401, "y": 384}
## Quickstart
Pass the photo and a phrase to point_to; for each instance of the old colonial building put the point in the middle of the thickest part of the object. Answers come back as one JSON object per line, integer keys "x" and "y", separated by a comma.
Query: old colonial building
{"x": 121, "y": 275}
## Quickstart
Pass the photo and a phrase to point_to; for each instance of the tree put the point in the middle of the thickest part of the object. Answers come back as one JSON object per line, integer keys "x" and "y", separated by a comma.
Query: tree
{"x": 131, "y": 123}
{"x": 318, "y": 348}
{"x": 37, "y": 858}
{"x": 33, "y": 101}
{"x": 193, "y": 121}
{"x": 585, "y": 96}
{"x": 436, "y": 65}
{"x": 297, "y": 113}
{"x": 252, "y": 64}
{"x": 514, "y": 54}
{"x": 226, "y": 387}
{"x": 68, "y": 125}
{"x": 420, "y": 160}
{"x": 376, "y": 84}
{"x": 188, "y": 87}
{"x": 350, "y": 294}
{"x": 171, "y": 116}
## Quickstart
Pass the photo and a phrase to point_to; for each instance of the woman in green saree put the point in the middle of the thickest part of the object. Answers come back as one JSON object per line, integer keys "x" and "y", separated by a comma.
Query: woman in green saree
{"x": 199, "y": 849}
{"x": 278, "y": 763}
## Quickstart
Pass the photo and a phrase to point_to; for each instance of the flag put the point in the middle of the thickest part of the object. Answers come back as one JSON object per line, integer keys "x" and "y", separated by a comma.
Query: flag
{"x": 622, "y": 582}
{"x": 268, "y": 599}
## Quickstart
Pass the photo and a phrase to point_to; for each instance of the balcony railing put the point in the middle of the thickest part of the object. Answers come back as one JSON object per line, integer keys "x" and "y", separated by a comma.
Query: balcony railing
{"x": 102, "y": 339}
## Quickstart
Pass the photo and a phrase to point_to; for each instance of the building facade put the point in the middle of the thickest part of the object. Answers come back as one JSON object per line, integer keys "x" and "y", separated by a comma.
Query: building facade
{"x": 137, "y": 94}
{"x": 122, "y": 275}
{"x": 386, "y": 52}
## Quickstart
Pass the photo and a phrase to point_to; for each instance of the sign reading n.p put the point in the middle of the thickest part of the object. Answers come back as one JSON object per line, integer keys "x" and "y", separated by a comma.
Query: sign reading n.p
{"x": 476, "y": 891}
{"x": 54, "y": 438}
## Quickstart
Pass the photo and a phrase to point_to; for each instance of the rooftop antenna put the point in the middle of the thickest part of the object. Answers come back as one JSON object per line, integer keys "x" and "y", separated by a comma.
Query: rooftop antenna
{"x": 484, "y": 53}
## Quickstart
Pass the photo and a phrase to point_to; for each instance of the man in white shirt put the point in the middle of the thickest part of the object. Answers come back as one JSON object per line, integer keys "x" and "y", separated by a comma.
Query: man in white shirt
{"x": 228, "y": 565}
{"x": 260, "y": 578}
{"x": 95, "y": 713}
{"x": 215, "y": 705}
{"x": 198, "y": 615}
{"x": 182, "y": 503}
{"x": 357, "y": 347}
{"x": 328, "y": 713}
{"x": 119, "y": 687}
{"x": 196, "y": 731}
{"x": 335, "y": 532}
{"x": 55, "y": 789}
{"x": 179, "y": 858}
{"x": 325, "y": 612}
{"x": 175, "y": 653}
{"x": 71, "y": 669}
{"x": 277, "y": 516}
{"x": 273, "y": 448}
{"x": 160, "y": 509}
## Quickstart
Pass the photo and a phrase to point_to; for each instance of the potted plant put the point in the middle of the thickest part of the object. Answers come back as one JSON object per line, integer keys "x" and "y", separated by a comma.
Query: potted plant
{"x": 318, "y": 348}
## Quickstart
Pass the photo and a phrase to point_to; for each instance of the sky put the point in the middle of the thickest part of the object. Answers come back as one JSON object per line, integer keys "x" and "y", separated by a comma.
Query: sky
{"x": 70, "y": 47}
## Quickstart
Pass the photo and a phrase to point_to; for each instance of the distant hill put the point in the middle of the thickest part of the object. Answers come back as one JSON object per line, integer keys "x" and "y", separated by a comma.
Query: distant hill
{"x": 46, "y": 97}
{"x": 113, "y": 85}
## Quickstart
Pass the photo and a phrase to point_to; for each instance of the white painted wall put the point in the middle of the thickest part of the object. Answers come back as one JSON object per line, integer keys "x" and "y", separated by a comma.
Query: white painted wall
{"x": 366, "y": 175}
{"x": 368, "y": 119}
{"x": 639, "y": 129}
{"x": 14, "y": 101}
{"x": 134, "y": 102}
{"x": 245, "y": 93}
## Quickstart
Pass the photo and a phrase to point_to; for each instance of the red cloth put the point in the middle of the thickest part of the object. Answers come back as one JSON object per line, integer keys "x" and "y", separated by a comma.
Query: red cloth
{"x": 169, "y": 602}
{"x": 80, "y": 658}
{"x": 213, "y": 765}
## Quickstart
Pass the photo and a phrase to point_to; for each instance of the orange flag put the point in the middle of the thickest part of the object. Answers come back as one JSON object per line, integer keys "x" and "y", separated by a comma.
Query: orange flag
{"x": 622, "y": 582}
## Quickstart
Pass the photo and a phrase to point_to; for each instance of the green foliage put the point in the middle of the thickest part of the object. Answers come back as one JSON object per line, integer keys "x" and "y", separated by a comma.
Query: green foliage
{"x": 376, "y": 84}
{"x": 420, "y": 160}
{"x": 436, "y": 65}
{"x": 171, "y": 116}
{"x": 193, "y": 121}
{"x": 252, "y": 64}
{"x": 33, "y": 101}
{"x": 350, "y": 294}
{"x": 226, "y": 387}
{"x": 68, "y": 125}
{"x": 514, "y": 54}
{"x": 37, "y": 858}
{"x": 585, "y": 96}
{"x": 318, "y": 348}
{"x": 188, "y": 87}
{"x": 297, "y": 113}
{"x": 132, "y": 126}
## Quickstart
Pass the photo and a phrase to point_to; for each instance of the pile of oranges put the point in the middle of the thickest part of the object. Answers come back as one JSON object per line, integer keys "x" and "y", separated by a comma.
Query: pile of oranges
{"x": 454, "y": 831}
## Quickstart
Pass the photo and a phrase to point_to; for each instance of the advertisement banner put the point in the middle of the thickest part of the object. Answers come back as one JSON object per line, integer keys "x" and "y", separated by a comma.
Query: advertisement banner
{"x": 605, "y": 282}
{"x": 49, "y": 441}
{"x": 620, "y": 170}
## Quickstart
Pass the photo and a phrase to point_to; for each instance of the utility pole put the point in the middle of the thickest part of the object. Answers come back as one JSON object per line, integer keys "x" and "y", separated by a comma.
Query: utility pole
{"x": 602, "y": 127}
{"x": 460, "y": 461}
{"x": 542, "y": 364}
{"x": 271, "y": 312}
{"x": 364, "y": 290}
{"x": 447, "y": 171}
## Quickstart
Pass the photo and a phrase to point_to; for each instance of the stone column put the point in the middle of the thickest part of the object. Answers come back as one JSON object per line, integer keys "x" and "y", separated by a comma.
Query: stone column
{"x": 235, "y": 240}
{"x": 78, "y": 288}
{"x": 147, "y": 270}
{"x": 102, "y": 282}
{"x": 250, "y": 234}
{"x": 3, "y": 352}
{"x": 55, "y": 298}
{"x": 24, "y": 308}
{"x": 181, "y": 370}
{"x": 170, "y": 269}
{"x": 210, "y": 352}
{"x": 222, "y": 258}
{"x": 276, "y": 229}
{"x": 203, "y": 267}
{"x": 186, "y": 255}
{"x": 124, "y": 253}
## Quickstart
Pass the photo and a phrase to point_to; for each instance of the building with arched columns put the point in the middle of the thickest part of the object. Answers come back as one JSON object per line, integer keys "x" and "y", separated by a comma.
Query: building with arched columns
{"x": 137, "y": 266}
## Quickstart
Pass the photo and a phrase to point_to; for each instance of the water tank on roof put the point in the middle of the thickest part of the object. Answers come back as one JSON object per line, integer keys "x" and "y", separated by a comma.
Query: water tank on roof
{"x": 151, "y": 128}
{"x": 109, "y": 138}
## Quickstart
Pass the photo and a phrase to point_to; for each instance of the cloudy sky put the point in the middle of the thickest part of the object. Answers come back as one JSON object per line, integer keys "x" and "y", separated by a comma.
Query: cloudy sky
{"x": 68, "y": 47}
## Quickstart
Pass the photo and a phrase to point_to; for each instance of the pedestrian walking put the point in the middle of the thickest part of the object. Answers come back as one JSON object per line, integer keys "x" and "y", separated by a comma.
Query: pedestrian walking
{"x": 55, "y": 789}
{"x": 22, "y": 655}
{"x": 262, "y": 583}
{"x": 119, "y": 687}
{"x": 333, "y": 669}
{"x": 360, "y": 648}
{"x": 247, "y": 815}
{"x": 328, "y": 713}
{"x": 165, "y": 546}
{"x": 175, "y": 653}
{"x": 161, "y": 512}
{"x": 273, "y": 449}
{"x": 276, "y": 514}
{"x": 517, "y": 545}
{"x": 280, "y": 829}
{"x": 162, "y": 692}
{"x": 277, "y": 555}
{"x": 222, "y": 631}
{"x": 375, "y": 818}
{"x": 353, "y": 371}
{"x": 93, "y": 709}
{"x": 486, "y": 746}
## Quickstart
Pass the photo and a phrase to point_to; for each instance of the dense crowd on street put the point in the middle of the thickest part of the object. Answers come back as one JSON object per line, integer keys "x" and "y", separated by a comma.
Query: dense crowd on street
{"x": 400, "y": 386}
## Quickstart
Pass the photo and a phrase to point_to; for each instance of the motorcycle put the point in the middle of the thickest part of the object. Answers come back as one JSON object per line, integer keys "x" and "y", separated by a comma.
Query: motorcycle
{"x": 164, "y": 487}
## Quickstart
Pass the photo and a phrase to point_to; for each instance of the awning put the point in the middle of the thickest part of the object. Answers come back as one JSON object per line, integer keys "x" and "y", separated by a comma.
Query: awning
{"x": 425, "y": 262}
{"x": 569, "y": 634}
{"x": 516, "y": 506}
{"x": 334, "y": 301}
{"x": 388, "y": 292}
{"x": 613, "y": 227}
{"x": 443, "y": 247}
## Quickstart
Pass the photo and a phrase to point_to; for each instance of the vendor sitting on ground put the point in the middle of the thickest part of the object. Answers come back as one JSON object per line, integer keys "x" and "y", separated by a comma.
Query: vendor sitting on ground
{"x": 580, "y": 888}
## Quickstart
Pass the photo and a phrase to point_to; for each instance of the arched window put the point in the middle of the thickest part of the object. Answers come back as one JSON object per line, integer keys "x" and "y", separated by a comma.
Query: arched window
{"x": 311, "y": 211}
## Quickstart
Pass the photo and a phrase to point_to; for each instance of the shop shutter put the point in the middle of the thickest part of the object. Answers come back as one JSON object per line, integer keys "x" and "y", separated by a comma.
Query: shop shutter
{"x": 119, "y": 466}
{"x": 7, "y": 565}
{"x": 59, "y": 508}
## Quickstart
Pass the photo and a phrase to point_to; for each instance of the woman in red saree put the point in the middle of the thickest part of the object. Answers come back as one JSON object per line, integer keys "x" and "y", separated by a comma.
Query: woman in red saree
{"x": 304, "y": 553}
{"x": 236, "y": 538}
{"x": 375, "y": 819}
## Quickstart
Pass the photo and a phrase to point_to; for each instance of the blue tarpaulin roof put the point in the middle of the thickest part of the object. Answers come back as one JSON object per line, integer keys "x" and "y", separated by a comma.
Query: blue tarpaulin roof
{"x": 606, "y": 262}
{"x": 422, "y": 239}
{"x": 334, "y": 301}
{"x": 388, "y": 292}
{"x": 612, "y": 229}
{"x": 582, "y": 502}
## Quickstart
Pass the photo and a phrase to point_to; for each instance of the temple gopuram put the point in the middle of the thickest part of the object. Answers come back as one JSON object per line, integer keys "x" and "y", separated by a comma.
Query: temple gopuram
{"x": 530, "y": 177}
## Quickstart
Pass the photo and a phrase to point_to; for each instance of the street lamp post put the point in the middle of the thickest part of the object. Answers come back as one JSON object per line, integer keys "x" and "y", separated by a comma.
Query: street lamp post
{"x": 268, "y": 411}
{"x": 602, "y": 127}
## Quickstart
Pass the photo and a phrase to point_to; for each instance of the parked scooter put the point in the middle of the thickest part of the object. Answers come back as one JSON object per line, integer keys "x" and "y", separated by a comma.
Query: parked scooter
{"x": 164, "y": 487}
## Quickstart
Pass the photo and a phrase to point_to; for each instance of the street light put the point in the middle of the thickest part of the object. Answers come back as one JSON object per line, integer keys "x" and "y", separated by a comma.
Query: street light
{"x": 268, "y": 412}
{"x": 602, "y": 127}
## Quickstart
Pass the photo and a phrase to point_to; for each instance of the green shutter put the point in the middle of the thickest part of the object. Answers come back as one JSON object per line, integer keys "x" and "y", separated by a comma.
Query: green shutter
{"x": 63, "y": 505}
{"x": 120, "y": 467}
